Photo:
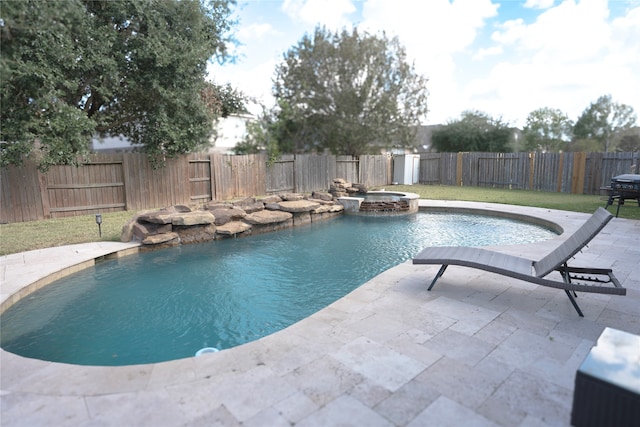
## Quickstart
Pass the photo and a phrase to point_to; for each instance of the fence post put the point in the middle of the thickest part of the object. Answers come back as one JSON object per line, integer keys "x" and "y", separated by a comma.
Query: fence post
{"x": 295, "y": 181}
{"x": 126, "y": 165}
{"x": 532, "y": 164}
{"x": 212, "y": 178}
{"x": 44, "y": 195}
{"x": 577, "y": 173}
{"x": 560, "y": 173}
{"x": 459, "y": 167}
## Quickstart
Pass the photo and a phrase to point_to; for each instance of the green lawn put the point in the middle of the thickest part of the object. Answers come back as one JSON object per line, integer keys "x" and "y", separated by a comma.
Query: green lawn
{"x": 26, "y": 236}
{"x": 562, "y": 201}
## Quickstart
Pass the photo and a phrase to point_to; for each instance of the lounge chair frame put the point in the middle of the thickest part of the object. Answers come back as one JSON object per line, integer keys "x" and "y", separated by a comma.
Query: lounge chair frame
{"x": 574, "y": 279}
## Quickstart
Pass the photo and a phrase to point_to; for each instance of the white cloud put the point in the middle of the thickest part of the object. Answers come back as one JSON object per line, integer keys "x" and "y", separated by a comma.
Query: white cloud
{"x": 255, "y": 31}
{"x": 514, "y": 90}
{"x": 436, "y": 26}
{"x": 491, "y": 51}
{"x": 569, "y": 31}
{"x": 510, "y": 32}
{"x": 432, "y": 33}
{"x": 625, "y": 36}
{"x": 332, "y": 13}
{"x": 254, "y": 81}
{"x": 573, "y": 49}
{"x": 539, "y": 4}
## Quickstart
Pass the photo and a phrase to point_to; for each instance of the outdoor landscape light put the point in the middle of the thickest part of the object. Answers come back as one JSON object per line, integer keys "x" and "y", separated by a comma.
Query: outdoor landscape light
{"x": 99, "y": 222}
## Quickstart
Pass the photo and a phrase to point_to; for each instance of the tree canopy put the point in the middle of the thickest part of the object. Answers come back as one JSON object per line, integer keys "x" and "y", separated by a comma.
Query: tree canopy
{"x": 547, "y": 130}
{"x": 606, "y": 122}
{"x": 474, "y": 131}
{"x": 349, "y": 92}
{"x": 630, "y": 141}
{"x": 75, "y": 68}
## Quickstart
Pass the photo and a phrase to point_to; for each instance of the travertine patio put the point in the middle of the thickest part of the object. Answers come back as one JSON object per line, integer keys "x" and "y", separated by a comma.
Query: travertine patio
{"x": 479, "y": 349}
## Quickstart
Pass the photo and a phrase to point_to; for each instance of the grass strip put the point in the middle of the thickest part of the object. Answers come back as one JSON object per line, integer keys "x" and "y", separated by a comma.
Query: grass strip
{"x": 26, "y": 236}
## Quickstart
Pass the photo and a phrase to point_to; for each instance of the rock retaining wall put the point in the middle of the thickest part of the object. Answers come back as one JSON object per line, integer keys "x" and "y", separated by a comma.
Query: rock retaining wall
{"x": 181, "y": 224}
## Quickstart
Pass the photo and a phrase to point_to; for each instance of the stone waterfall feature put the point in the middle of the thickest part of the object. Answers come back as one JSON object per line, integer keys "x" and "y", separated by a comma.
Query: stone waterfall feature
{"x": 182, "y": 224}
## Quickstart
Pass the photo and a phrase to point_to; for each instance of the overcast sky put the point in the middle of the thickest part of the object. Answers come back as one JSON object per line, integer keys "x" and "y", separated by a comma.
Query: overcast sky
{"x": 506, "y": 58}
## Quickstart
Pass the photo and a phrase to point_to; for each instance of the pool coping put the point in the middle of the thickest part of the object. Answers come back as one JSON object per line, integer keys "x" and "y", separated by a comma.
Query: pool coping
{"x": 45, "y": 383}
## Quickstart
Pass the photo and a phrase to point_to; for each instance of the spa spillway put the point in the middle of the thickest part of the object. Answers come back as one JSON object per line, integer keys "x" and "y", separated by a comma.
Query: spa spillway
{"x": 377, "y": 203}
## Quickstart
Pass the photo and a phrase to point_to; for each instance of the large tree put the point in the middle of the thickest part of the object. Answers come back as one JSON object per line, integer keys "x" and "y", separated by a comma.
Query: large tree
{"x": 274, "y": 132}
{"x": 75, "y": 68}
{"x": 605, "y": 121}
{"x": 474, "y": 131}
{"x": 547, "y": 130}
{"x": 349, "y": 92}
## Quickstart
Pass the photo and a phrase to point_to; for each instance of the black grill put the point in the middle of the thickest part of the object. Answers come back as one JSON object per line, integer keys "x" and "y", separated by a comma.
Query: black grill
{"x": 623, "y": 187}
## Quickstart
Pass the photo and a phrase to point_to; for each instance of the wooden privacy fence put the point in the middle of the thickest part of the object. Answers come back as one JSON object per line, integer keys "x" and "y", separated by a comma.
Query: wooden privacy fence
{"x": 305, "y": 173}
{"x": 577, "y": 173}
{"x": 127, "y": 181}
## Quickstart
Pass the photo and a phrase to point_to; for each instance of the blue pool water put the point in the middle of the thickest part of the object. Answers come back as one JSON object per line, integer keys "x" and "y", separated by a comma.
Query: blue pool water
{"x": 168, "y": 304}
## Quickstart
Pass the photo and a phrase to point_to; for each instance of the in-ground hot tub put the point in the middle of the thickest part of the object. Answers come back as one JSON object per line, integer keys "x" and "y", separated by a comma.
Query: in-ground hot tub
{"x": 381, "y": 203}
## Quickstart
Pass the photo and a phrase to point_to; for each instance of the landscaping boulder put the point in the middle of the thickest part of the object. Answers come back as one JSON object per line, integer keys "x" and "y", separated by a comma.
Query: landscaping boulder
{"x": 231, "y": 213}
{"x": 291, "y": 197}
{"x": 318, "y": 195}
{"x": 326, "y": 212}
{"x": 267, "y": 217}
{"x": 301, "y": 218}
{"x": 163, "y": 216}
{"x": 322, "y": 209}
{"x": 322, "y": 202}
{"x": 126, "y": 235}
{"x": 211, "y": 206}
{"x": 343, "y": 188}
{"x": 272, "y": 206}
{"x": 232, "y": 228}
{"x": 160, "y": 238}
{"x": 136, "y": 231}
{"x": 253, "y": 207}
{"x": 196, "y": 233}
{"x": 298, "y": 206}
{"x": 181, "y": 208}
{"x": 158, "y": 217}
{"x": 270, "y": 199}
{"x": 193, "y": 218}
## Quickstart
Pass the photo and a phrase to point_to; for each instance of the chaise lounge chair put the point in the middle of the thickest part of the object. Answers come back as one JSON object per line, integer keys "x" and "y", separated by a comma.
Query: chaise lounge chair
{"x": 583, "y": 279}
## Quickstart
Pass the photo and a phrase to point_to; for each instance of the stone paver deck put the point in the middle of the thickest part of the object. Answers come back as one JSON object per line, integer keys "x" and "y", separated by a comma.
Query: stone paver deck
{"x": 479, "y": 349}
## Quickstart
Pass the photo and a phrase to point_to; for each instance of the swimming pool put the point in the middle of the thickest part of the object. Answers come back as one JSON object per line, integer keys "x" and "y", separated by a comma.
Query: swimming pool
{"x": 168, "y": 304}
